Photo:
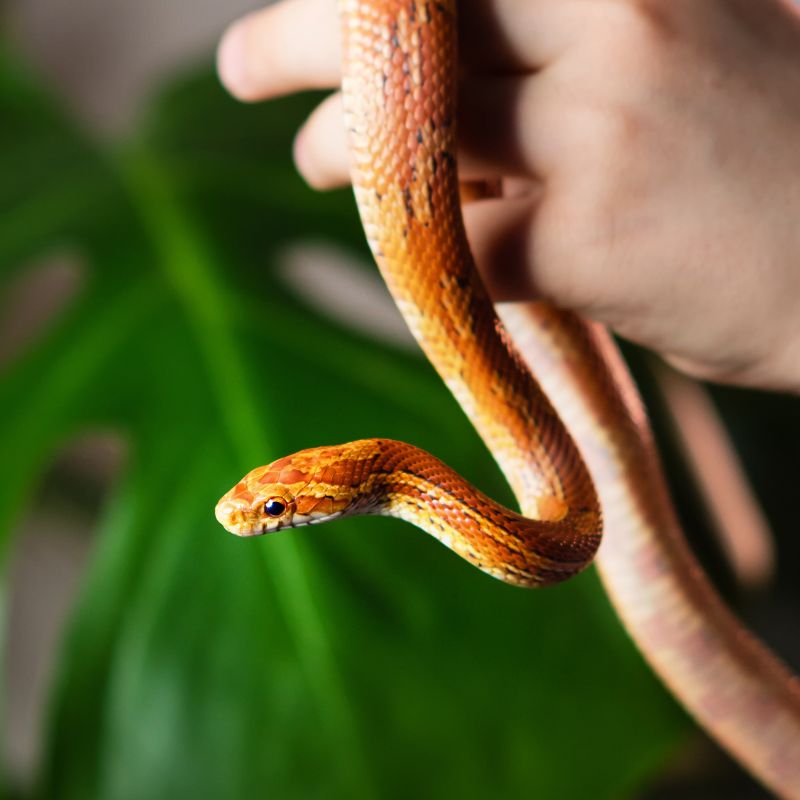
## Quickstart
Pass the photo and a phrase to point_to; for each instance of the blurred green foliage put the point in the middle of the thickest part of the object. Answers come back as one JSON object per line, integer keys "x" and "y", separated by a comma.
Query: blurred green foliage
{"x": 360, "y": 659}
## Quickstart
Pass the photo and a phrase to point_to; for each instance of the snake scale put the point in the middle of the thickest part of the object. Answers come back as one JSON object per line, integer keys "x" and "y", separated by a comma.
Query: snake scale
{"x": 399, "y": 82}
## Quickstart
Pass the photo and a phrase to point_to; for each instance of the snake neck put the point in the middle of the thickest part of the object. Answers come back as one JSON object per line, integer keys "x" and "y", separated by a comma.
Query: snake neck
{"x": 391, "y": 478}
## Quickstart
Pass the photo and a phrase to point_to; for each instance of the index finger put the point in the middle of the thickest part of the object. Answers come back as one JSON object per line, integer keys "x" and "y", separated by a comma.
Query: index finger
{"x": 287, "y": 47}
{"x": 295, "y": 44}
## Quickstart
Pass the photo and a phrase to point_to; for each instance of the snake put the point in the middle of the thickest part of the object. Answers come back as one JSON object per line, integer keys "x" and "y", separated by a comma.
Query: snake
{"x": 587, "y": 473}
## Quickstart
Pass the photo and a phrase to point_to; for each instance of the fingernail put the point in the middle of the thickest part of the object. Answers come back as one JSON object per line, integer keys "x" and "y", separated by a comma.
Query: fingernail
{"x": 231, "y": 65}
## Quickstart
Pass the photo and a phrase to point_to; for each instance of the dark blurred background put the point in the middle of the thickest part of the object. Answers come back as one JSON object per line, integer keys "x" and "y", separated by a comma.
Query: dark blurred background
{"x": 176, "y": 307}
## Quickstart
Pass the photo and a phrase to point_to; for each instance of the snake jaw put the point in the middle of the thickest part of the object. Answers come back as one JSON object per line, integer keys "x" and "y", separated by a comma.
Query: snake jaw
{"x": 247, "y": 519}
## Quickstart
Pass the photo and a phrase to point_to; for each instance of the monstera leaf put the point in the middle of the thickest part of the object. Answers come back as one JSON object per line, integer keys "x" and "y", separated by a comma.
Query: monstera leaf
{"x": 356, "y": 659}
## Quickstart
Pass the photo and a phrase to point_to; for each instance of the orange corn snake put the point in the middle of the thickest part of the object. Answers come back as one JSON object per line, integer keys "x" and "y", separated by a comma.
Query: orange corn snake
{"x": 399, "y": 79}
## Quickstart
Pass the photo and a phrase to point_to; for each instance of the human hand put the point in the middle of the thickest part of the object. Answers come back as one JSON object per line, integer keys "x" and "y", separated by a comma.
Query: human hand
{"x": 649, "y": 152}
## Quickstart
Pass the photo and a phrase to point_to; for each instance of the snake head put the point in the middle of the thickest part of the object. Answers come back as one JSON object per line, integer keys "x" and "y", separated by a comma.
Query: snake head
{"x": 246, "y": 513}
{"x": 301, "y": 489}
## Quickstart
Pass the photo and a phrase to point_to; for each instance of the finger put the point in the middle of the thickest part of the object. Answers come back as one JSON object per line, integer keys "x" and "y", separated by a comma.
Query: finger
{"x": 295, "y": 44}
{"x": 504, "y": 126}
{"x": 509, "y": 35}
{"x": 519, "y": 247}
{"x": 499, "y": 232}
{"x": 495, "y": 121}
{"x": 320, "y": 147}
{"x": 286, "y": 47}
{"x": 321, "y": 151}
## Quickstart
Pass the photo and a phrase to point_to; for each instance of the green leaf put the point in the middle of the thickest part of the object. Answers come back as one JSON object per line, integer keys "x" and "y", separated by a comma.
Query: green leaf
{"x": 360, "y": 659}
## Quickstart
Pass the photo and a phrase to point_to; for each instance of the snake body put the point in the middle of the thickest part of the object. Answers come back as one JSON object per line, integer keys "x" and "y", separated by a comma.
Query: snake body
{"x": 399, "y": 93}
{"x": 399, "y": 89}
{"x": 386, "y": 477}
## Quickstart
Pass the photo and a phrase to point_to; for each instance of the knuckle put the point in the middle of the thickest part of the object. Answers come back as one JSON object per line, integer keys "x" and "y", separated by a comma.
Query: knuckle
{"x": 646, "y": 22}
{"x": 616, "y": 119}
{"x": 639, "y": 38}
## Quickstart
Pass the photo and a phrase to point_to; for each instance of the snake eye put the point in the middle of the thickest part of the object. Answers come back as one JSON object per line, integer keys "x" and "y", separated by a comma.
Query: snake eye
{"x": 274, "y": 507}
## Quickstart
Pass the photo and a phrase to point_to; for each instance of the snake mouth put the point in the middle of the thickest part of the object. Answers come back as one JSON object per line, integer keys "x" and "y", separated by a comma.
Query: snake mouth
{"x": 237, "y": 518}
{"x": 247, "y": 529}
{"x": 233, "y": 516}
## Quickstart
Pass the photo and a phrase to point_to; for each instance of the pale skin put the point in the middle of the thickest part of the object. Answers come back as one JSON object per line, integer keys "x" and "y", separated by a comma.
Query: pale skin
{"x": 649, "y": 152}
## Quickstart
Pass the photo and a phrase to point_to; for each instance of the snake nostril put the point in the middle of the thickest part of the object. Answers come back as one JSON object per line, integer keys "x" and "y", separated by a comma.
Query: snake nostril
{"x": 229, "y": 514}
